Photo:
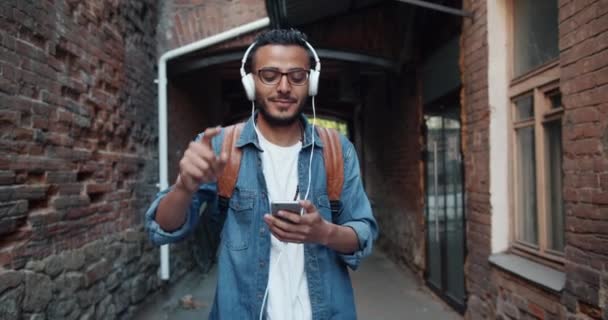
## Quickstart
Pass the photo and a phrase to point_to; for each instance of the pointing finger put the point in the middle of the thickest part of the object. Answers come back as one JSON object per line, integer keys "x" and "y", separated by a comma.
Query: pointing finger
{"x": 209, "y": 134}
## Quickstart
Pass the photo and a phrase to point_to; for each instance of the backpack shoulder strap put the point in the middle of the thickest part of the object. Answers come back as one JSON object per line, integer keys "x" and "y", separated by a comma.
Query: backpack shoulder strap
{"x": 332, "y": 157}
{"x": 334, "y": 162}
{"x": 227, "y": 180}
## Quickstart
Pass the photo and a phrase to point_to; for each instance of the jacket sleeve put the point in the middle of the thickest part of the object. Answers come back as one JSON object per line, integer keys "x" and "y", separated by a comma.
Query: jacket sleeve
{"x": 206, "y": 195}
{"x": 356, "y": 210}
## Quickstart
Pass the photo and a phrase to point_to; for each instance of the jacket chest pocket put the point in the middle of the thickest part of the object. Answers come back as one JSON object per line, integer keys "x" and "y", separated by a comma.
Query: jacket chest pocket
{"x": 324, "y": 207}
{"x": 237, "y": 231}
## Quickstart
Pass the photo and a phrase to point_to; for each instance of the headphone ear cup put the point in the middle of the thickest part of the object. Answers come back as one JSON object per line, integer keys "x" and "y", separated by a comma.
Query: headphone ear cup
{"x": 249, "y": 86}
{"x": 313, "y": 83}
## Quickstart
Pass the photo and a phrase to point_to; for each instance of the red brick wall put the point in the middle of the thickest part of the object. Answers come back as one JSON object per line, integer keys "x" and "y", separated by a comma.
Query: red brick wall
{"x": 517, "y": 299}
{"x": 583, "y": 36}
{"x": 476, "y": 152}
{"x": 583, "y": 32}
{"x": 78, "y": 158}
{"x": 392, "y": 142}
{"x": 194, "y": 105}
{"x": 186, "y": 21}
{"x": 78, "y": 121}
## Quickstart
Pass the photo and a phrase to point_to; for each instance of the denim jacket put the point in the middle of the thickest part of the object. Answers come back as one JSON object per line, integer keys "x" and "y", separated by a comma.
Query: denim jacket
{"x": 244, "y": 250}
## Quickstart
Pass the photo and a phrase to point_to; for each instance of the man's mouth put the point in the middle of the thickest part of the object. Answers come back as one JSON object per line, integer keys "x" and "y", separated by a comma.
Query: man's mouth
{"x": 283, "y": 102}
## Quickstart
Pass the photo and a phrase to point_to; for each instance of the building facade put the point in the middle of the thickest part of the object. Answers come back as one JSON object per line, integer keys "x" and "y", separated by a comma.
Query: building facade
{"x": 77, "y": 158}
{"x": 482, "y": 133}
{"x": 535, "y": 118}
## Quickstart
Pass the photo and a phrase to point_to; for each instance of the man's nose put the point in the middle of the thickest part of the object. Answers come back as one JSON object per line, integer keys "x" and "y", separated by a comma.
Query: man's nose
{"x": 284, "y": 85}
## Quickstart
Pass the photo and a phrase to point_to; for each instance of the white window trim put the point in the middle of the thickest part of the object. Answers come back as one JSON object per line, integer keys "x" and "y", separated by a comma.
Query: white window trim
{"x": 498, "y": 98}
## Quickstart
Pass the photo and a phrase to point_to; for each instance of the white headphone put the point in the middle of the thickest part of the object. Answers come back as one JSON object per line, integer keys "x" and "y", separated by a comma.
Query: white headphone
{"x": 313, "y": 79}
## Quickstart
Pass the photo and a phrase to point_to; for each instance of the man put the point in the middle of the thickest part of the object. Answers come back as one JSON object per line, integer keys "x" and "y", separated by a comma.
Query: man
{"x": 299, "y": 261}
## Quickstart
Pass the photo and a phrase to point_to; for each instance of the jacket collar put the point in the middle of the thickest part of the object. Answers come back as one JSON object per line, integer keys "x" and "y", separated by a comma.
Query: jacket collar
{"x": 249, "y": 136}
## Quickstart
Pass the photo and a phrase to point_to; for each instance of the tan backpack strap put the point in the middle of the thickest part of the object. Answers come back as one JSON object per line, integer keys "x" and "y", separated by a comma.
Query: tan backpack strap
{"x": 227, "y": 180}
{"x": 334, "y": 162}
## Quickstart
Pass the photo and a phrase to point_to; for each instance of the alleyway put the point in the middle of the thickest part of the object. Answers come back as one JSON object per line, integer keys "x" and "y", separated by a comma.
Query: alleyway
{"x": 381, "y": 292}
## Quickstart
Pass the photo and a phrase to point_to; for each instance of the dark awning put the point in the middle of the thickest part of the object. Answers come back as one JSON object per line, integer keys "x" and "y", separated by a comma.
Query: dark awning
{"x": 285, "y": 13}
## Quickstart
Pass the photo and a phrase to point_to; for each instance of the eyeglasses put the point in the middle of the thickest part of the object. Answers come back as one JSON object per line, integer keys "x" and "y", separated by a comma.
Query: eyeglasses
{"x": 296, "y": 77}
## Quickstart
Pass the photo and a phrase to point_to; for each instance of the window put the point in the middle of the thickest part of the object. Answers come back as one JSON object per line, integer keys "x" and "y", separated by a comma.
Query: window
{"x": 536, "y": 122}
{"x": 536, "y": 34}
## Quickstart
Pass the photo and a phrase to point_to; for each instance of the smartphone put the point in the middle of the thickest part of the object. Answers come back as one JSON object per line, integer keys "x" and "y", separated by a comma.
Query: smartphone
{"x": 292, "y": 206}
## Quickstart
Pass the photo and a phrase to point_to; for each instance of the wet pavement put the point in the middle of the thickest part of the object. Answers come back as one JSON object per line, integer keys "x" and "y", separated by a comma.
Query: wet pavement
{"x": 382, "y": 291}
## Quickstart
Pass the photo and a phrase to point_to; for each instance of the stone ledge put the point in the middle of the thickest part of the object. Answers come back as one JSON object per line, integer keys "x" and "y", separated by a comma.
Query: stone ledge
{"x": 537, "y": 273}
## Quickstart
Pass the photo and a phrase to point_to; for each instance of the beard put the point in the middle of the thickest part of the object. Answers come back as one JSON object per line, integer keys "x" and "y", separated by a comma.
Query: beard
{"x": 280, "y": 121}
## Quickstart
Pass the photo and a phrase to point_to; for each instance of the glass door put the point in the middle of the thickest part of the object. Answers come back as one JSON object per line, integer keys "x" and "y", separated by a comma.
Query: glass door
{"x": 444, "y": 207}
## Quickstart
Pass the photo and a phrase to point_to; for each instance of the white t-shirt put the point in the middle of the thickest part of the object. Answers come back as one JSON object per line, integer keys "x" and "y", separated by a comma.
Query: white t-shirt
{"x": 288, "y": 297}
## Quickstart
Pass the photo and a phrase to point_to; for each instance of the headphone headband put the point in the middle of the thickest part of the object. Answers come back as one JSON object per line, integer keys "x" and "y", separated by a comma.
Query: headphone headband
{"x": 249, "y": 83}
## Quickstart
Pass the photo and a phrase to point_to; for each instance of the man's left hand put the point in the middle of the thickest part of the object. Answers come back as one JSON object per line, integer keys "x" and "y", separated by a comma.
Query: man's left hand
{"x": 293, "y": 227}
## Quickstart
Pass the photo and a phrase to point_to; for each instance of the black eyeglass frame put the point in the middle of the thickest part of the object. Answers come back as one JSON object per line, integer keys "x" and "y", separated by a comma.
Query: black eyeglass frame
{"x": 287, "y": 74}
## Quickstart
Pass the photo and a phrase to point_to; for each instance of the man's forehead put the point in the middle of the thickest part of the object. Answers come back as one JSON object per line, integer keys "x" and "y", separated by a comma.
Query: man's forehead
{"x": 277, "y": 52}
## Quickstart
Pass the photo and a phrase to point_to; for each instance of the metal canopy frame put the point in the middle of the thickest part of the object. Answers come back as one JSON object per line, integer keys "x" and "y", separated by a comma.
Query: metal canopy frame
{"x": 439, "y": 7}
{"x": 199, "y": 63}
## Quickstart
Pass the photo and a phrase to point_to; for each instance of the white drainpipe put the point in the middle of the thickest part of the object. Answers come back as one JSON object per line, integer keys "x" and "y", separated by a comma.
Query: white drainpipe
{"x": 162, "y": 107}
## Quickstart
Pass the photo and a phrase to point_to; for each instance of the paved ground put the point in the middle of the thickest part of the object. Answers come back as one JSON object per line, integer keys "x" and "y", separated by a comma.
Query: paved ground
{"x": 381, "y": 292}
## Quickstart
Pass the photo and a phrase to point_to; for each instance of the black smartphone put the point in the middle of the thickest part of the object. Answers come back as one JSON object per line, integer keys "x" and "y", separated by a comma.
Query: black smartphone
{"x": 292, "y": 206}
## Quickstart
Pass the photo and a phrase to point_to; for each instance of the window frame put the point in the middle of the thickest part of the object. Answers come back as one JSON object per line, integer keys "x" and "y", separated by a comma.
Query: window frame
{"x": 540, "y": 82}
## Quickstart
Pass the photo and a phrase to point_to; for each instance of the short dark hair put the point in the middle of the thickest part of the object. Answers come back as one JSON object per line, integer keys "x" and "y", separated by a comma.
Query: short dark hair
{"x": 281, "y": 37}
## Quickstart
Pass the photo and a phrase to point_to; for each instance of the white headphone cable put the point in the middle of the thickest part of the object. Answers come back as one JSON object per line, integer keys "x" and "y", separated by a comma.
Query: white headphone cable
{"x": 312, "y": 131}
{"x": 314, "y": 120}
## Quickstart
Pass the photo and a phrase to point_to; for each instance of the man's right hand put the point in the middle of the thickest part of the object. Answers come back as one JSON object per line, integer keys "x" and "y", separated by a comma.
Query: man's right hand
{"x": 199, "y": 163}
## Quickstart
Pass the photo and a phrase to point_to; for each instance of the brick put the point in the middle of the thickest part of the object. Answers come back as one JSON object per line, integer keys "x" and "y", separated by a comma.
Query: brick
{"x": 600, "y": 198}
{"x": 74, "y": 188}
{"x": 583, "y": 147}
{"x": 581, "y": 50}
{"x": 21, "y": 134}
{"x": 586, "y": 211}
{"x": 600, "y": 24}
{"x": 580, "y": 83}
{"x": 600, "y": 165}
{"x": 10, "y": 279}
{"x": 586, "y": 180}
{"x": 584, "y": 274}
{"x": 601, "y": 77}
{"x": 97, "y": 271}
{"x": 592, "y": 311}
{"x": 586, "y": 226}
{"x": 68, "y": 153}
{"x": 537, "y": 311}
{"x": 63, "y": 116}
{"x": 7, "y": 177}
{"x": 59, "y": 139}
{"x": 585, "y": 98}
{"x": 10, "y": 225}
{"x": 589, "y": 243}
{"x": 13, "y": 209}
{"x": 65, "y": 202}
{"x": 19, "y": 192}
{"x": 99, "y": 188}
{"x": 10, "y": 117}
{"x": 33, "y": 164}
{"x": 60, "y": 177}
{"x": 583, "y": 131}
{"x": 38, "y": 292}
{"x": 603, "y": 181}
{"x": 79, "y": 212}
